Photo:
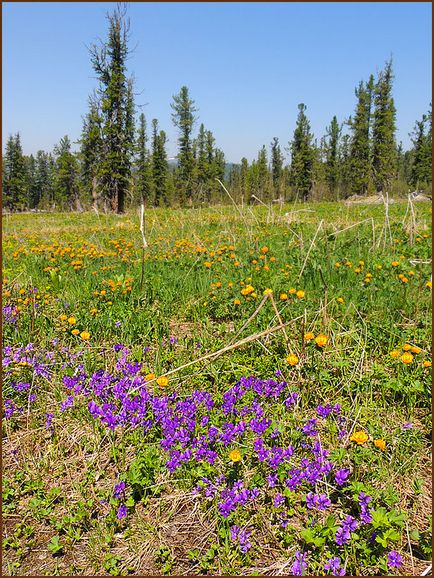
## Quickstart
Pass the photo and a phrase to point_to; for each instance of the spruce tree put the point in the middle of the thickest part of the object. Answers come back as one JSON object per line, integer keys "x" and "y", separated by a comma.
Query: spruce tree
{"x": 143, "y": 164}
{"x": 383, "y": 131}
{"x": 66, "y": 176}
{"x": 14, "y": 181}
{"x": 421, "y": 170}
{"x": 115, "y": 91}
{"x": 361, "y": 163}
{"x": 159, "y": 165}
{"x": 183, "y": 118}
{"x": 332, "y": 155}
{"x": 302, "y": 155}
{"x": 91, "y": 148}
{"x": 276, "y": 165}
{"x": 32, "y": 188}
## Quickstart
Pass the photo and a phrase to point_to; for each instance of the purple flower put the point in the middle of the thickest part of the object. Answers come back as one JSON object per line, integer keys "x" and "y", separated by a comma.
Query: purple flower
{"x": 118, "y": 490}
{"x": 122, "y": 512}
{"x": 299, "y": 566}
{"x": 278, "y": 500}
{"x": 48, "y": 419}
{"x": 341, "y": 476}
{"x": 342, "y": 536}
{"x": 407, "y": 425}
{"x": 334, "y": 564}
{"x": 309, "y": 428}
{"x": 394, "y": 559}
{"x": 272, "y": 480}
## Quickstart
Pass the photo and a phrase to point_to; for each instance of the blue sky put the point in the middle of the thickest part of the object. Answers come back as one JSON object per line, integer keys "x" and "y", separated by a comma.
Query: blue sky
{"x": 247, "y": 65}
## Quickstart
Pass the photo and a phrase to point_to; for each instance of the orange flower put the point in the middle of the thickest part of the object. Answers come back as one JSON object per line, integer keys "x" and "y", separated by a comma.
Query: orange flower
{"x": 321, "y": 340}
{"x": 85, "y": 335}
{"x": 283, "y": 297}
{"x": 75, "y": 332}
{"x": 162, "y": 381}
{"x": 395, "y": 353}
{"x": 72, "y": 320}
{"x": 300, "y": 294}
{"x": 360, "y": 437}
{"x": 427, "y": 363}
{"x": 406, "y": 347}
{"x": 149, "y": 376}
{"x": 309, "y": 336}
{"x": 407, "y": 358}
{"x": 292, "y": 359}
{"x": 237, "y": 302}
{"x": 380, "y": 444}
{"x": 235, "y": 456}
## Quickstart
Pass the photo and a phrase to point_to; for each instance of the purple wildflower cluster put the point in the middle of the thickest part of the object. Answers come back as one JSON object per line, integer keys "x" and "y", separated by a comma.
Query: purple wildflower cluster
{"x": 242, "y": 537}
{"x": 343, "y": 534}
{"x": 334, "y": 566}
{"x": 299, "y": 565}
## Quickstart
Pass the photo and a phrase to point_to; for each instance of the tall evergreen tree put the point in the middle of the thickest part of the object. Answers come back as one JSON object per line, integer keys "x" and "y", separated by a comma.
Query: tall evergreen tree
{"x": 159, "y": 165}
{"x": 143, "y": 164}
{"x": 183, "y": 118}
{"x": 421, "y": 170}
{"x": 383, "y": 130}
{"x": 32, "y": 188}
{"x": 302, "y": 155}
{"x": 109, "y": 63}
{"x": 91, "y": 148}
{"x": 66, "y": 183}
{"x": 332, "y": 155}
{"x": 276, "y": 164}
{"x": 201, "y": 165}
{"x": 14, "y": 186}
{"x": 361, "y": 162}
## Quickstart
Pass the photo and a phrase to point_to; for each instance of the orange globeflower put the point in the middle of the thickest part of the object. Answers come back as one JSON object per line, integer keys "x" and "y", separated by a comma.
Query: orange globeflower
{"x": 75, "y": 332}
{"x": 395, "y": 353}
{"x": 427, "y": 363}
{"x": 406, "y": 347}
{"x": 292, "y": 359}
{"x": 235, "y": 456}
{"x": 283, "y": 297}
{"x": 72, "y": 320}
{"x": 237, "y": 302}
{"x": 407, "y": 358}
{"x": 300, "y": 294}
{"x": 309, "y": 336}
{"x": 340, "y": 299}
{"x": 162, "y": 381}
{"x": 360, "y": 437}
{"x": 380, "y": 444}
{"x": 85, "y": 335}
{"x": 321, "y": 340}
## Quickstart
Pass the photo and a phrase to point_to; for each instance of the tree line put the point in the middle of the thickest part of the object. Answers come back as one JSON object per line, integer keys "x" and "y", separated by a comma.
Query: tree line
{"x": 122, "y": 160}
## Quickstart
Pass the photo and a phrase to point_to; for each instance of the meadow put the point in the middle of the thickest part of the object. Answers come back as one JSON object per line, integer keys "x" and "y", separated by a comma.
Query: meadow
{"x": 250, "y": 394}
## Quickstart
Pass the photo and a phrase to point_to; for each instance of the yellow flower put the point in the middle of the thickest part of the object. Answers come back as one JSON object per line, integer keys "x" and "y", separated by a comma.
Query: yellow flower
{"x": 395, "y": 263}
{"x": 264, "y": 250}
{"x": 268, "y": 291}
{"x": 162, "y": 381}
{"x": 72, "y": 320}
{"x": 309, "y": 336}
{"x": 63, "y": 317}
{"x": 247, "y": 290}
{"x": 207, "y": 264}
{"x": 235, "y": 456}
{"x": 85, "y": 335}
{"x": 283, "y": 297}
{"x": 407, "y": 358}
{"x": 428, "y": 285}
{"x": 292, "y": 291}
{"x": 416, "y": 349}
{"x": 406, "y": 347}
{"x": 395, "y": 353}
{"x": 292, "y": 359}
{"x": 427, "y": 363}
{"x": 321, "y": 340}
{"x": 75, "y": 332}
{"x": 337, "y": 264}
{"x": 340, "y": 299}
{"x": 237, "y": 301}
{"x": 22, "y": 291}
{"x": 360, "y": 437}
{"x": 149, "y": 376}
{"x": 380, "y": 444}
{"x": 300, "y": 294}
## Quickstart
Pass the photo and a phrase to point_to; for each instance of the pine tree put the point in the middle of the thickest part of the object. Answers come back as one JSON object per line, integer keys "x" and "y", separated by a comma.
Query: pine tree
{"x": 262, "y": 175}
{"x": 332, "y": 155}
{"x": 14, "y": 182}
{"x": 201, "y": 165}
{"x": 32, "y": 189}
{"x": 276, "y": 165}
{"x": 143, "y": 164}
{"x": 91, "y": 147}
{"x": 302, "y": 155}
{"x": 245, "y": 192}
{"x": 65, "y": 182}
{"x": 109, "y": 63}
{"x": 159, "y": 165}
{"x": 421, "y": 170}
{"x": 183, "y": 118}
{"x": 361, "y": 164}
{"x": 383, "y": 131}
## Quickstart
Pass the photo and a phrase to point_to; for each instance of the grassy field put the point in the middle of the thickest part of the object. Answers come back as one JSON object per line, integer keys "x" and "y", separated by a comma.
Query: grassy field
{"x": 249, "y": 395}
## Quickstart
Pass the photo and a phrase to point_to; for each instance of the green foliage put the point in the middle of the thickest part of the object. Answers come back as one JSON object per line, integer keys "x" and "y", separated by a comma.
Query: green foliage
{"x": 302, "y": 155}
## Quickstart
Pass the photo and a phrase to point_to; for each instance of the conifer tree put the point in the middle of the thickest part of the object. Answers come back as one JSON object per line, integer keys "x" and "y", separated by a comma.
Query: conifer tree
{"x": 383, "y": 131}
{"x": 91, "y": 149}
{"x": 361, "y": 162}
{"x": 66, "y": 185}
{"x": 14, "y": 182}
{"x": 421, "y": 170}
{"x": 143, "y": 164}
{"x": 276, "y": 164}
{"x": 32, "y": 189}
{"x": 159, "y": 165}
{"x": 115, "y": 91}
{"x": 302, "y": 155}
{"x": 332, "y": 155}
{"x": 183, "y": 118}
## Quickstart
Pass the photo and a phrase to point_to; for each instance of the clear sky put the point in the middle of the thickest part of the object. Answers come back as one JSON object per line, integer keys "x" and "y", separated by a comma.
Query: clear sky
{"x": 247, "y": 65}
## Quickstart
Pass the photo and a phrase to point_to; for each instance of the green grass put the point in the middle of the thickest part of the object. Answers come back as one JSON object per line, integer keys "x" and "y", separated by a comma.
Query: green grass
{"x": 58, "y": 481}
